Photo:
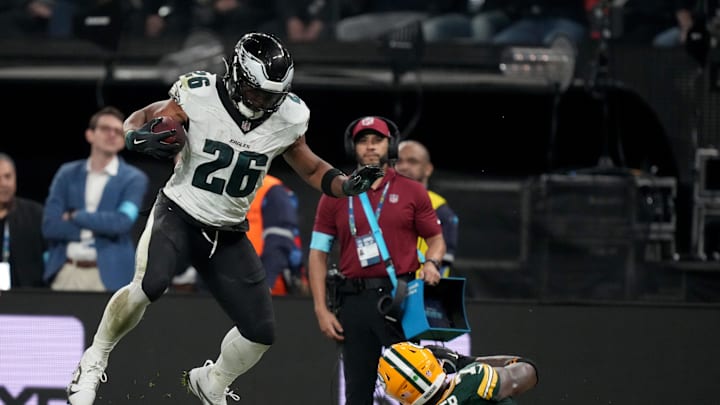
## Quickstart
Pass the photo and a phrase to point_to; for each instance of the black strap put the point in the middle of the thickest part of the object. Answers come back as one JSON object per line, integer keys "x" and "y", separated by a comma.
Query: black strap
{"x": 327, "y": 179}
{"x": 390, "y": 306}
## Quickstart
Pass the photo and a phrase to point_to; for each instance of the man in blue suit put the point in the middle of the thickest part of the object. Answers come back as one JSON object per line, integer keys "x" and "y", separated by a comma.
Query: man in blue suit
{"x": 90, "y": 210}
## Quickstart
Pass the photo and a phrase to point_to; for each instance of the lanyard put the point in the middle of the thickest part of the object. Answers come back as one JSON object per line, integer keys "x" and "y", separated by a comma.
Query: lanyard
{"x": 389, "y": 266}
{"x": 6, "y": 242}
{"x": 368, "y": 213}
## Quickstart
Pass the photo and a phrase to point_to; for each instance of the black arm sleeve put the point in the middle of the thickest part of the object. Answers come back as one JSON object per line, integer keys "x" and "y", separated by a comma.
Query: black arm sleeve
{"x": 327, "y": 180}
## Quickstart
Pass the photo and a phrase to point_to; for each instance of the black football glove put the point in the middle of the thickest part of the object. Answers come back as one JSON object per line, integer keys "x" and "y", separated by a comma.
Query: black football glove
{"x": 146, "y": 141}
{"x": 448, "y": 358}
{"x": 360, "y": 180}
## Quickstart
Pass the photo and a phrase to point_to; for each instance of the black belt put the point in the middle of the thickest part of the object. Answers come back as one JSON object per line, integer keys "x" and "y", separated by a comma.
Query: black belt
{"x": 83, "y": 264}
{"x": 357, "y": 285}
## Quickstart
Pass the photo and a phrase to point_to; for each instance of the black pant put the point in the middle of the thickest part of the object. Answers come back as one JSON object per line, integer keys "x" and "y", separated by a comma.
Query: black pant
{"x": 366, "y": 332}
{"x": 228, "y": 264}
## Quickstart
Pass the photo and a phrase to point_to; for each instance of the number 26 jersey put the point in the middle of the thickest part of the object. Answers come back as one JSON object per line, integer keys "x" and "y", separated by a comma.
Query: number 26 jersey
{"x": 226, "y": 155}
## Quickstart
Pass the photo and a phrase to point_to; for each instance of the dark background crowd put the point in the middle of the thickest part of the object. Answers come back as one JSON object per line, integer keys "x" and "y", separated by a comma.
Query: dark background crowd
{"x": 659, "y": 23}
{"x": 633, "y": 95}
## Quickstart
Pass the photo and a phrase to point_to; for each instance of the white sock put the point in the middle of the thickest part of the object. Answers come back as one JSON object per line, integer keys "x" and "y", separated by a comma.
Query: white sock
{"x": 237, "y": 355}
{"x": 122, "y": 313}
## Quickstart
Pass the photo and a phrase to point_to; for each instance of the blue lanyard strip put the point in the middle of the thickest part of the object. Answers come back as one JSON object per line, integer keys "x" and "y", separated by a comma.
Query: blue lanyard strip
{"x": 6, "y": 241}
{"x": 351, "y": 210}
{"x": 389, "y": 267}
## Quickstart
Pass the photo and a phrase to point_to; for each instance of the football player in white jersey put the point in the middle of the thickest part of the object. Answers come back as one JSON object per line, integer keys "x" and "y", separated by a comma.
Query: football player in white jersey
{"x": 236, "y": 125}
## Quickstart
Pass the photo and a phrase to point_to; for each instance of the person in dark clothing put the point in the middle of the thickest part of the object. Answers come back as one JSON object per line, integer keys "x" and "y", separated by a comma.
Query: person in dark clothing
{"x": 231, "y": 18}
{"x": 163, "y": 19}
{"x": 645, "y": 22}
{"x": 306, "y": 20}
{"x": 23, "y": 245}
{"x": 441, "y": 20}
{"x": 414, "y": 162}
{"x": 530, "y": 22}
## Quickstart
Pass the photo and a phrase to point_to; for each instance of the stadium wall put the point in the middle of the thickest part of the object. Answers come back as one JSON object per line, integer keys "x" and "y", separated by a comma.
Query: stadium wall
{"x": 589, "y": 354}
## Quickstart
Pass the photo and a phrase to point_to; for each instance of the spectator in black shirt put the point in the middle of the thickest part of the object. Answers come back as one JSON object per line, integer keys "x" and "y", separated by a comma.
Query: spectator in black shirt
{"x": 22, "y": 245}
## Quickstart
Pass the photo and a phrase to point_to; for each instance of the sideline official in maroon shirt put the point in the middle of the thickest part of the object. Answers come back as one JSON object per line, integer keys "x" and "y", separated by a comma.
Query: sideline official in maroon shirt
{"x": 404, "y": 213}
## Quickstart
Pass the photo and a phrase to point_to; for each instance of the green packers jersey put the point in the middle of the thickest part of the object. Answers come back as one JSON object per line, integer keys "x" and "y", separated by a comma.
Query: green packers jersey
{"x": 476, "y": 384}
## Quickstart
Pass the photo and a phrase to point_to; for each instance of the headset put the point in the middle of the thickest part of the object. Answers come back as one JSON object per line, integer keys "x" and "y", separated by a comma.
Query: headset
{"x": 394, "y": 137}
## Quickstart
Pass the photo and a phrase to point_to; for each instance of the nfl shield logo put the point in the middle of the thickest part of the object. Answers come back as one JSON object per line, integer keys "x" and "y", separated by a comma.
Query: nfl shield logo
{"x": 393, "y": 198}
{"x": 245, "y": 126}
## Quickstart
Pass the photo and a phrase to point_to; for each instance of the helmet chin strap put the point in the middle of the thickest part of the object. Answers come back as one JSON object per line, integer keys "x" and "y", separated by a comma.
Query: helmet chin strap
{"x": 247, "y": 112}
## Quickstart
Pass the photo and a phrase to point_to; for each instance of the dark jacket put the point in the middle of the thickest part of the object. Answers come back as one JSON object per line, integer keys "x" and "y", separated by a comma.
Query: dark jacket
{"x": 27, "y": 245}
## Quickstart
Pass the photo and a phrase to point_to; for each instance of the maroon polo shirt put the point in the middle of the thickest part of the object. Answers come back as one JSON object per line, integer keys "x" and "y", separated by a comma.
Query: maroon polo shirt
{"x": 406, "y": 214}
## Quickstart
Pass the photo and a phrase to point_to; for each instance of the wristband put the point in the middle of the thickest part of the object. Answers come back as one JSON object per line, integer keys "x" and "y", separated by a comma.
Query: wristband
{"x": 436, "y": 262}
{"x": 326, "y": 184}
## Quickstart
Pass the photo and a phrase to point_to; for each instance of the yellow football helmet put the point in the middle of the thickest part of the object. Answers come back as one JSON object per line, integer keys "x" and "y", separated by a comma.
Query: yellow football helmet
{"x": 410, "y": 373}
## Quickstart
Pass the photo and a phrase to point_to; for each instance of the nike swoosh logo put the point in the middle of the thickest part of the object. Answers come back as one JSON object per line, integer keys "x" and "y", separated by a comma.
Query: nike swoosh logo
{"x": 139, "y": 141}
{"x": 76, "y": 377}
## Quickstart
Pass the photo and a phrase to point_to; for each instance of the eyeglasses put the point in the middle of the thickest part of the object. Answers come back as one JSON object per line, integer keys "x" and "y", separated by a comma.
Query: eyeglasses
{"x": 106, "y": 128}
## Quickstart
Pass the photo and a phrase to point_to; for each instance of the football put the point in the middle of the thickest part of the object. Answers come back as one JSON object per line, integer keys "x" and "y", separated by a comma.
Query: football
{"x": 169, "y": 123}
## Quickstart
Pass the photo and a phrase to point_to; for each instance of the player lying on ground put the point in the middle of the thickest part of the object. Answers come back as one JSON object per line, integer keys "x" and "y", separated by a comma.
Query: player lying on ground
{"x": 417, "y": 375}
